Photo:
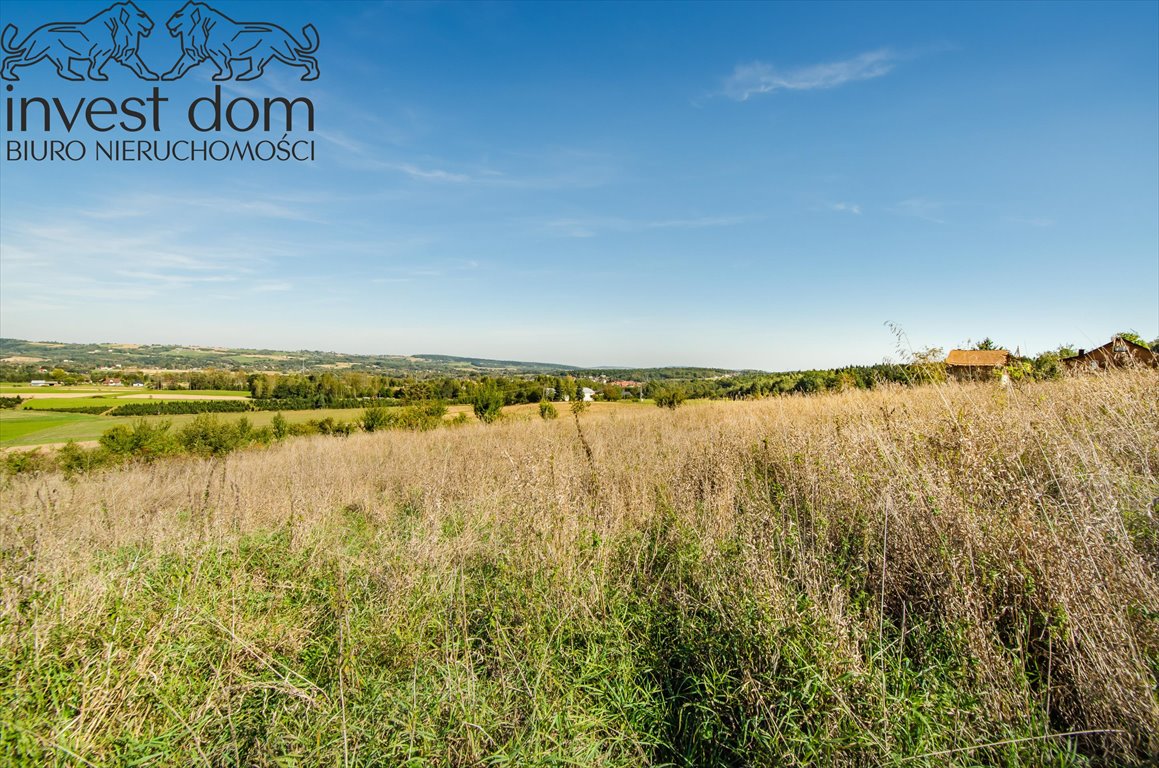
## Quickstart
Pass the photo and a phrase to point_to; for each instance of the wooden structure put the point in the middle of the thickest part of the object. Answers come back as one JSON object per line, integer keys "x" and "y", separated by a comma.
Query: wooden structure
{"x": 977, "y": 364}
{"x": 1116, "y": 353}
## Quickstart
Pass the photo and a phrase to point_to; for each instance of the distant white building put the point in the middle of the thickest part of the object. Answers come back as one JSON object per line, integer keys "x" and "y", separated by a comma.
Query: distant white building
{"x": 587, "y": 393}
{"x": 38, "y": 383}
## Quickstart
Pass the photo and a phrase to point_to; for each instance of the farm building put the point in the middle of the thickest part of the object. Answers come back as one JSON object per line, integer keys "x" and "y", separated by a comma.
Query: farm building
{"x": 976, "y": 364}
{"x": 1116, "y": 353}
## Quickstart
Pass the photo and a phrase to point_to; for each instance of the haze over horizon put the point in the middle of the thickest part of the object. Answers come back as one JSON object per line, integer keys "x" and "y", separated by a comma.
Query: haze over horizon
{"x": 757, "y": 186}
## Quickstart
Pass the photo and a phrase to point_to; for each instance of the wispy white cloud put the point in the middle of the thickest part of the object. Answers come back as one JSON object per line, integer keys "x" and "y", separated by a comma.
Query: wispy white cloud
{"x": 431, "y": 174}
{"x": 142, "y": 206}
{"x": 554, "y": 168}
{"x": 405, "y": 273}
{"x": 593, "y": 226}
{"x": 758, "y": 77}
{"x": 921, "y": 208}
{"x": 1031, "y": 221}
{"x": 843, "y": 207}
{"x": 97, "y": 258}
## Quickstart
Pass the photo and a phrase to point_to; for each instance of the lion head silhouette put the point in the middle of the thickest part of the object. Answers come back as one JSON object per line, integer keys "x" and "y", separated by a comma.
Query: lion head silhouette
{"x": 112, "y": 35}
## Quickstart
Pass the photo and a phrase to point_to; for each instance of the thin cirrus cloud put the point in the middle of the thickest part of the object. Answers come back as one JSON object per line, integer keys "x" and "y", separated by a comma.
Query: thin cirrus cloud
{"x": 591, "y": 227}
{"x": 921, "y": 208}
{"x": 854, "y": 208}
{"x": 759, "y": 77}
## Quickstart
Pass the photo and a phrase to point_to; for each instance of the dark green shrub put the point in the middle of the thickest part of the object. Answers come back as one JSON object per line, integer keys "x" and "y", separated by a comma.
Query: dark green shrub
{"x": 177, "y": 407}
{"x": 209, "y": 436}
{"x": 142, "y": 440}
{"x": 668, "y": 398}
{"x": 24, "y": 462}
{"x": 76, "y": 460}
{"x": 487, "y": 403}
{"x": 375, "y": 418}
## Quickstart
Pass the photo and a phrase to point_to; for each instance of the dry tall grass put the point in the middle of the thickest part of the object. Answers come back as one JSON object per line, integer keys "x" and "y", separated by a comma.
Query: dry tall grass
{"x": 957, "y": 574}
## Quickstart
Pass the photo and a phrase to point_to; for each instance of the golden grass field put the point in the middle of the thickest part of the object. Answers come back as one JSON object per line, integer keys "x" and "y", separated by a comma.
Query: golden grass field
{"x": 951, "y": 575}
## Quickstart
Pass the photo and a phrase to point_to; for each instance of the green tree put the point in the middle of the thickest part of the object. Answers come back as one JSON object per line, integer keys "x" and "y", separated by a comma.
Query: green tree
{"x": 566, "y": 389}
{"x": 280, "y": 426}
{"x": 487, "y": 402}
{"x": 1132, "y": 337}
{"x": 375, "y": 418}
{"x": 986, "y": 343}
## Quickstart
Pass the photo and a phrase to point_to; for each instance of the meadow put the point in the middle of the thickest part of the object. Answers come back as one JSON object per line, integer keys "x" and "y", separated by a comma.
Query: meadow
{"x": 39, "y": 420}
{"x": 958, "y": 575}
{"x": 31, "y": 428}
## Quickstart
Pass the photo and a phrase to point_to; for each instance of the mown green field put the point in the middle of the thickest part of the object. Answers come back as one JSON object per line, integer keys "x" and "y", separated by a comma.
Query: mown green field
{"x": 10, "y": 389}
{"x": 20, "y": 427}
{"x": 38, "y": 422}
{"x": 108, "y": 401}
{"x": 32, "y": 428}
{"x": 23, "y": 389}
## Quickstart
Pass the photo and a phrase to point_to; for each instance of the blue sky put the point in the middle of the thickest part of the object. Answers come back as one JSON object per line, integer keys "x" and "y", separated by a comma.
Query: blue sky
{"x": 737, "y": 185}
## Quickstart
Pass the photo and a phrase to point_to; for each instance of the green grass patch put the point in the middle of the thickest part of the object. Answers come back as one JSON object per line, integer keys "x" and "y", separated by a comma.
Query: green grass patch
{"x": 37, "y": 428}
{"x": 43, "y": 427}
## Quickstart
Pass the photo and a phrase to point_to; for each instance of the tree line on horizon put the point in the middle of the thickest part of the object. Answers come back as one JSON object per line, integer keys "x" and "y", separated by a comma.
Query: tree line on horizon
{"x": 352, "y": 388}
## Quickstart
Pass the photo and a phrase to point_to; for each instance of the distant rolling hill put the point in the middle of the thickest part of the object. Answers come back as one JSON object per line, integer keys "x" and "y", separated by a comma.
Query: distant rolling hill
{"x": 181, "y": 357}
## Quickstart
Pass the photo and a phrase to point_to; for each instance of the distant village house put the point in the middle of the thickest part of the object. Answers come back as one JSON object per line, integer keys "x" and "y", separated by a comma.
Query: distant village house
{"x": 1116, "y": 353}
{"x": 977, "y": 364}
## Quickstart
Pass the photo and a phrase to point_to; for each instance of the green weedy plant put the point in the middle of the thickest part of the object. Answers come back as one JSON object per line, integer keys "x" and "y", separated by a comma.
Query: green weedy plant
{"x": 20, "y": 462}
{"x": 547, "y": 411}
{"x": 77, "y": 460}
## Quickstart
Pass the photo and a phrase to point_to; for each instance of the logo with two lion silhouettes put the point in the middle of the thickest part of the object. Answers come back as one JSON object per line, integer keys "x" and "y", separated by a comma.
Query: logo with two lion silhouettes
{"x": 80, "y": 50}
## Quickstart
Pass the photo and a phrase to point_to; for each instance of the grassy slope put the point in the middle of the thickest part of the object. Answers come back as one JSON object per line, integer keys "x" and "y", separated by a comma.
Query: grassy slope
{"x": 939, "y": 576}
